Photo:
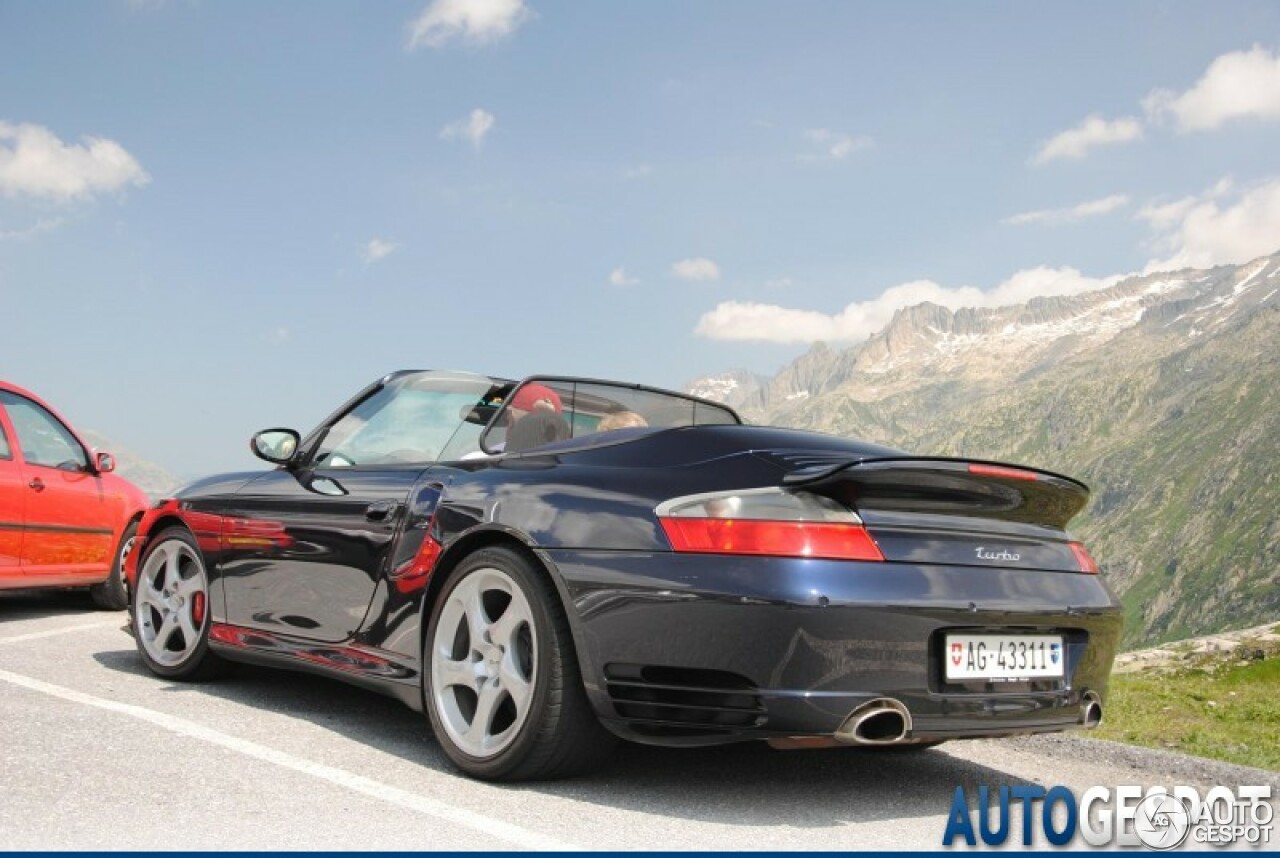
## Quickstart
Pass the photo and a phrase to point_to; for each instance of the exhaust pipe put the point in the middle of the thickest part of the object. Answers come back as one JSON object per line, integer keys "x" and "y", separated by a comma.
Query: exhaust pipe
{"x": 883, "y": 721}
{"x": 1090, "y": 710}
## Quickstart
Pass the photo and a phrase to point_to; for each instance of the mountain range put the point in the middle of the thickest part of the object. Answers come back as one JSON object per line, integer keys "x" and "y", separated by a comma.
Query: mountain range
{"x": 1159, "y": 391}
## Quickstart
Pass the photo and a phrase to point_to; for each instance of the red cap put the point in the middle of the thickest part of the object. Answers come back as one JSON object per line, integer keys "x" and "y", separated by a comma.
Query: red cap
{"x": 528, "y": 397}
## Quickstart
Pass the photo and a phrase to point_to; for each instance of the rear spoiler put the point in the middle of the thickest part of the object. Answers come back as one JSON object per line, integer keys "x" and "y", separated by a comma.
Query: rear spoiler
{"x": 946, "y": 486}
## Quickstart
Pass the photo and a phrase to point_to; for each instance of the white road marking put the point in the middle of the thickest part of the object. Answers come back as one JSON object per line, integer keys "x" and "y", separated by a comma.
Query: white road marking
{"x": 496, "y": 828}
{"x": 66, "y": 630}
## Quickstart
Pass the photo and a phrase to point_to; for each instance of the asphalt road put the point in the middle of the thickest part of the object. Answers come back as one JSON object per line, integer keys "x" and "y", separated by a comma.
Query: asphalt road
{"x": 99, "y": 754}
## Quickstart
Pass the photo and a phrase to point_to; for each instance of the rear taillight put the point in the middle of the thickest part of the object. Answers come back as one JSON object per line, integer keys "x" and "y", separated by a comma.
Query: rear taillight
{"x": 767, "y": 522}
{"x": 1083, "y": 560}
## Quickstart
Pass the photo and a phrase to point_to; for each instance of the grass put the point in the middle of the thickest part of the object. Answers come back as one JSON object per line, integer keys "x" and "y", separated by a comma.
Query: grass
{"x": 1223, "y": 710}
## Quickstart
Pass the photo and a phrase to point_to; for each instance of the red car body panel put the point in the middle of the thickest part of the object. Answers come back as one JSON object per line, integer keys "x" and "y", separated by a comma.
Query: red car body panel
{"x": 58, "y": 527}
{"x": 13, "y": 499}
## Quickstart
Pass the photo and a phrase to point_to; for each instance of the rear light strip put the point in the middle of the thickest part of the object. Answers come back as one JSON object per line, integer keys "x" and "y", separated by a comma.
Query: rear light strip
{"x": 835, "y": 541}
{"x": 981, "y": 470}
{"x": 766, "y": 521}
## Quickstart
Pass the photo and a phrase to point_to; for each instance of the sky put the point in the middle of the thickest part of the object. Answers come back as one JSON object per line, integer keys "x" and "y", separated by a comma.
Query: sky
{"x": 221, "y": 216}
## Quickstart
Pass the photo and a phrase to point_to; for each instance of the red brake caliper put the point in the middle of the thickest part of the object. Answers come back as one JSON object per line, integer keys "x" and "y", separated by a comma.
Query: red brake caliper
{"x": 197, "y": 609}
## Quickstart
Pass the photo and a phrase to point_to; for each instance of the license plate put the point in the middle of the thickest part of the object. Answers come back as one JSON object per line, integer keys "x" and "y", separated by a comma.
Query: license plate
{"x": 1004, "y": 658}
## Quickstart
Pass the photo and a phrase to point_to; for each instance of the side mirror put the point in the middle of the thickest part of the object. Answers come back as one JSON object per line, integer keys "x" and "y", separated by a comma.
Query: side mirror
{"x": 277, "y": 446}
{"x": 105, "y": 462}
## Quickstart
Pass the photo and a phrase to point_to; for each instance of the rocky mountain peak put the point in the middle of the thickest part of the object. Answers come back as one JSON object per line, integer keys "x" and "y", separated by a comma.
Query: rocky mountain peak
{"x": 978, "y": 342}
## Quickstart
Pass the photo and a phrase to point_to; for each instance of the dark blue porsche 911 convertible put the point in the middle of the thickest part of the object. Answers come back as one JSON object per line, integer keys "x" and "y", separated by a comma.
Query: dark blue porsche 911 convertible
{"x": 545, "y": 566}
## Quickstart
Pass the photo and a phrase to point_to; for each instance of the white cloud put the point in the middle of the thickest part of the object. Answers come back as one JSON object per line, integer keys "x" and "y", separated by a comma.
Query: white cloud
{"x": 1238, "y": 85}
{"x": 377, "y": 249}
{"x": 1075, "y": 143}
{"x": 618, "y": 277}
{"x": 1164, "y": 216}
{"x": 1223, "y": 225}
{"x": 475, "y": 21}
{"x": 737, "y": 320}
{"x": 698, "y": 268}
{"x": 1220, "y": 227}
{"x": 639, "y": 171}
{"x": 279, "y": 335}
{"x": 835, "y": 145}
{"x": 41, "y": 226}
{"x": 1092, "y": 208}
{"x": 34, "y": 162}
{"x": 473, "y": 128}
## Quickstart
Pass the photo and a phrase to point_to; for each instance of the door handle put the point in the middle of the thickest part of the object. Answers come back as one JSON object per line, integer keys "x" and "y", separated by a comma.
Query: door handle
{"x": 37, "y": 484}
{"x": 381, "y": 510}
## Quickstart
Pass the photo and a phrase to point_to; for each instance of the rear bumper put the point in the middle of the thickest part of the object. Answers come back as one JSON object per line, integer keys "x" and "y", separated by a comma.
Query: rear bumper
{"x": 698, "y": 649}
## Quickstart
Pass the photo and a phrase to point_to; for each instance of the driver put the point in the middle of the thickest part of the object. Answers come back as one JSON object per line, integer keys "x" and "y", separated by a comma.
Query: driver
{"x": 534, "y": 418}
{"x": 533, "y": 397}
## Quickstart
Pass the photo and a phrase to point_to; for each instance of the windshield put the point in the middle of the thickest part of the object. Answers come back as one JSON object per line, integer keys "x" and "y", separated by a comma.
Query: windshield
{"x": 416, "y": 418}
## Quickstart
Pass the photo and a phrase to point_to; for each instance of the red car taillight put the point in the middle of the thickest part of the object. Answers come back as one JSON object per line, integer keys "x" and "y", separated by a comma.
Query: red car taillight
{"x": 767, "y": 522}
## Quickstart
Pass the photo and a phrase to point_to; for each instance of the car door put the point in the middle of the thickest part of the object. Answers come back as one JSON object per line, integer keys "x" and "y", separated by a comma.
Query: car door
{"x": 69, "y": 517}
{"x": 305, "y": 546}
{"x": 302, "y": 549}
{"x": 12, "y": 502}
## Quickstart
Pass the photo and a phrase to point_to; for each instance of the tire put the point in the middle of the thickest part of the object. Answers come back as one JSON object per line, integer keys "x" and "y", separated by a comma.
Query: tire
{"x": 113, "y": 593}
{"x": 500, "y": 676}
{"x": 170, "y": 613}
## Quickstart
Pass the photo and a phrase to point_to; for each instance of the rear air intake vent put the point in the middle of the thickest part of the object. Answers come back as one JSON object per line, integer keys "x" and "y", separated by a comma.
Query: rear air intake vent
{"x": 681, "y": 701}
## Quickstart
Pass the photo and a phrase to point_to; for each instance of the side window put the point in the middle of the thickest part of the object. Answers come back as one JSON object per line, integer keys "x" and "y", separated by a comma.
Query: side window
{"x": 551, "y": 410}
{"x": 5, "y": 452}
{"x": 43, "y": 438}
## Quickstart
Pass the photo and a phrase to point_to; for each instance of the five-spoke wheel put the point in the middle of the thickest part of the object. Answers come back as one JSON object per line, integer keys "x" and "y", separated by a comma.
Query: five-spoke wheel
{"x": 171, "y": 607}
{"x": 482, "y": 665}
{"x": 501, "y": 680}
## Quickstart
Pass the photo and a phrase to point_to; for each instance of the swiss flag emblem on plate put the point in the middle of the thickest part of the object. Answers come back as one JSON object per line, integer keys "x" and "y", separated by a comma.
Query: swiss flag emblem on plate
{"x": 956, "y": 651}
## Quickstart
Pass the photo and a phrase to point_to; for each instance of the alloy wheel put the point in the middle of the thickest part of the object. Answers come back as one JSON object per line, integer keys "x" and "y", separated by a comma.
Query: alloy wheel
{"x": 483, "y": 662}
{"x": 170, "y": 609}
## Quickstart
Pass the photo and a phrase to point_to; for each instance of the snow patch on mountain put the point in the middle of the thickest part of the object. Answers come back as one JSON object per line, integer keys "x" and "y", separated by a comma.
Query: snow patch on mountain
{"x": 928, "y": 341}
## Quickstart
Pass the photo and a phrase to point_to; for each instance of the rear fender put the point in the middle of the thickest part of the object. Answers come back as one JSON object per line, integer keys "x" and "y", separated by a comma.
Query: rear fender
{"x": 491, "y": 535}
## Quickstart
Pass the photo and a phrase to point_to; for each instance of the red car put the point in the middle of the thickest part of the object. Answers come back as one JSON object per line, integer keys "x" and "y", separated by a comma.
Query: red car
{"x": 65, "y": 519}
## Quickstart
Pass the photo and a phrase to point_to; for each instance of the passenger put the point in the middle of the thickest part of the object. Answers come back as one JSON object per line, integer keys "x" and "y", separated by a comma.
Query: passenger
{"x": 536, "y": 429}
{"x": 620, "y": 420}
